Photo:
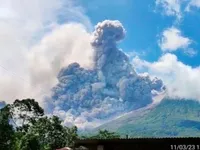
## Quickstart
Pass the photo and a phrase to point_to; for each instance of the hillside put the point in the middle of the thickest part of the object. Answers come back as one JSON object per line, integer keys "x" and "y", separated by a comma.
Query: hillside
{"x": 169, "y": 118}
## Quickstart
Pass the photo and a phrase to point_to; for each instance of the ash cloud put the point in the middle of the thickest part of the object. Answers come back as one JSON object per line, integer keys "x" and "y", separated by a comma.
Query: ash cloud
{"x": 107, "y": 33}
{"x": 88, "y": 97}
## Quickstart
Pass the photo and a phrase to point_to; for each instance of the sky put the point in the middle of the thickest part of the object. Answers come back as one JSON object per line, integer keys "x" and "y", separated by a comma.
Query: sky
{"x": 145, "y": 22}
{"x": 162, "y": 38}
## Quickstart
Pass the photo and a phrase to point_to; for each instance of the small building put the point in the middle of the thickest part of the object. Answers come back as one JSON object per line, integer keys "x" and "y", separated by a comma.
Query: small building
{"x": 140, "y": 144}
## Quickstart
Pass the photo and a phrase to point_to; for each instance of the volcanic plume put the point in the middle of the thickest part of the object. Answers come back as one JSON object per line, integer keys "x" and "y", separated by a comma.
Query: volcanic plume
{"x": 87, "y": 97}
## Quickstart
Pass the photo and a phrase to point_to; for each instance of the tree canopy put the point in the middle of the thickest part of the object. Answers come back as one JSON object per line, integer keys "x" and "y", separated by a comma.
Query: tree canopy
{"x": 23, "y": 126}
{"x": 6, "y": 130}
{"x": 105, "y": 134}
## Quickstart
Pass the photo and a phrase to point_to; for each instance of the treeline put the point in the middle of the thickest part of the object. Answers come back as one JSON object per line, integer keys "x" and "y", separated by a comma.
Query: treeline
{"x": 23, "y": 126}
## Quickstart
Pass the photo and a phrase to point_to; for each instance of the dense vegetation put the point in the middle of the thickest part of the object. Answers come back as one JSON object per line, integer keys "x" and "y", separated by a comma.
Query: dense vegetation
{"x": 171, "y": 118}
{"x": 23, "y": 126}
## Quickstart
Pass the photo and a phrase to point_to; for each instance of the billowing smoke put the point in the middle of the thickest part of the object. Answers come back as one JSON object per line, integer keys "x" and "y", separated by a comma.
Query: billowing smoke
{"x": 107, "y": 33}
{"x": 110, "y": 62}
{"x": 56, "y": 50}
{"x": 37, "y": 39}
{"x": 87, "y": 97}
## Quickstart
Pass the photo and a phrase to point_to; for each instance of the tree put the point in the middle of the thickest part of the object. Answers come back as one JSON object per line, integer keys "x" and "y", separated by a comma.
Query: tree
{"x": 51, "y": 134}
{"x": 105, "y": 134}
{"x": 6, "y": 130}
{"x": 15, "y": 120}
{"x": 24, "y": 112}
{"x": 71, "y": 135}
{"x": 23, "y": 126}
{"x": 29, "y": 142}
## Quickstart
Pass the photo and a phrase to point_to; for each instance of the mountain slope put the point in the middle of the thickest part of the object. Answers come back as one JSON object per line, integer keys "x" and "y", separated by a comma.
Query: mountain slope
{"x": 170, "y": 118}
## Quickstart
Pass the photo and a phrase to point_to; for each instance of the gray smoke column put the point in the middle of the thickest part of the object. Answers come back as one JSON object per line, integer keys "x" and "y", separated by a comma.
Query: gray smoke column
{"x": 87, "y": 97}
{"x": 111, "y": 62}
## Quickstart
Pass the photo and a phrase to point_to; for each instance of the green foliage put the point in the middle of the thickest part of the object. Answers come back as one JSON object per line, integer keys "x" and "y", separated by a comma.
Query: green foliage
{"x": 52, "y": 134}
{"x": 25, "y": 111}
{"x": 6, "y": 130}
{"x": 29, "y": 142}
{"x": 71, "y": 135}
{"x": 105, "y": 134}
{"x": 23, "y": 127}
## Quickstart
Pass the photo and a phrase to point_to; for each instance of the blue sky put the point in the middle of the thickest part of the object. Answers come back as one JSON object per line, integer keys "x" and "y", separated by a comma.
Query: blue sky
{"x": 144, "y": 22}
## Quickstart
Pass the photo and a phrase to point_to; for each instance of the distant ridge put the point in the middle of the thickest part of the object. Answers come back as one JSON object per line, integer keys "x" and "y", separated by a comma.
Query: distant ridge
{"x": 170, "y": 118}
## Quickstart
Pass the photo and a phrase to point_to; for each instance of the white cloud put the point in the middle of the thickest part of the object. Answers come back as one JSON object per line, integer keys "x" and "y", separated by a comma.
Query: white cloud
{"x": 140, "y": 65}
{"x": 172, "y": 40}
{"x": 171, "y": 7}
{"x": 182, "y": 81}
{"x": 64, "y": 45}
{"x": 191, "y": 52}
{"x": 22, "y": 25}
{"x": 177, "y": 7}
{"x": 193, "y": 3}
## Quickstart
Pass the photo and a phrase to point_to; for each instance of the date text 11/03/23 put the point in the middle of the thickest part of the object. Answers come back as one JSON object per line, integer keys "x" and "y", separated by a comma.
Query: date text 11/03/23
{"x": 185, "y": 147}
